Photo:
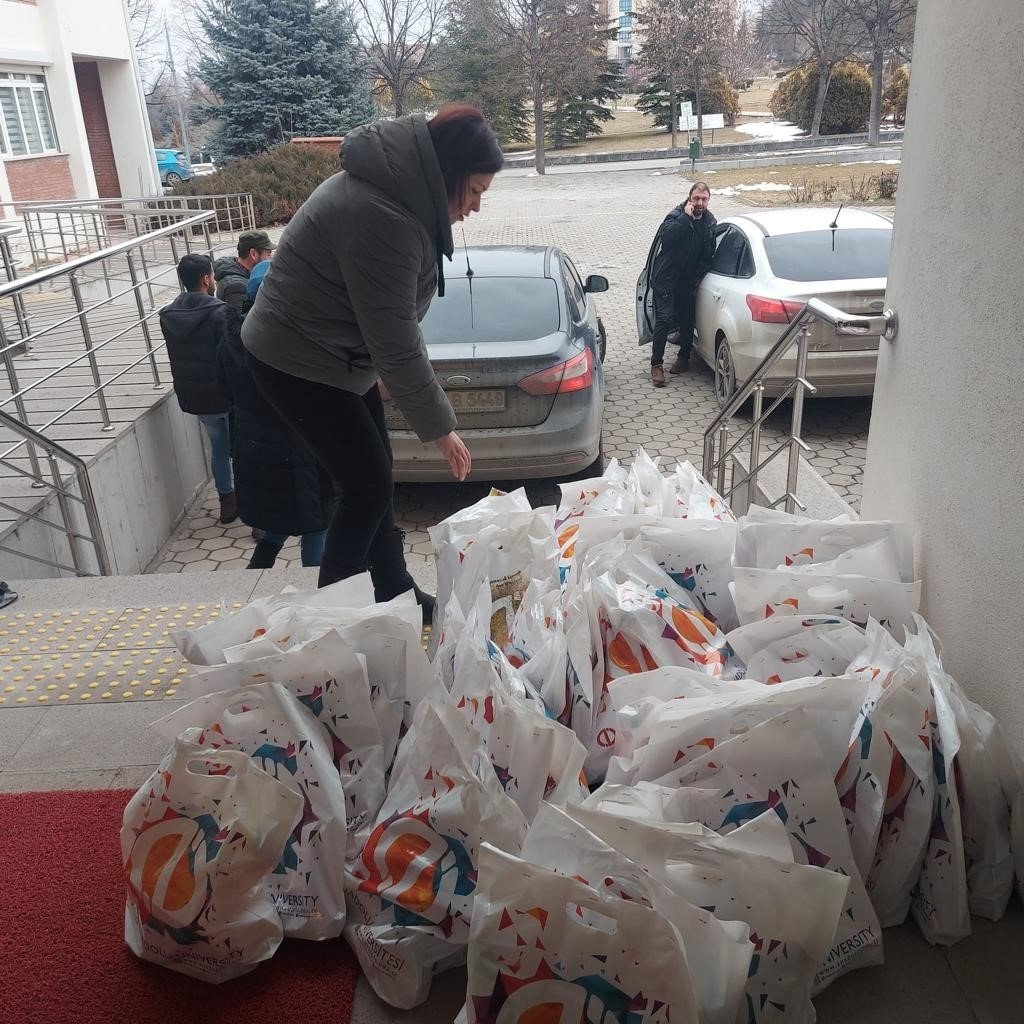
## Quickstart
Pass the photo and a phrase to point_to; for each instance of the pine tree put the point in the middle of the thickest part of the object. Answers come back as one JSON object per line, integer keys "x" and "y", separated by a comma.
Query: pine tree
{"x": 282, "y": 68}
{"x": 479, "y": 70}
{"x": 576, "y": 118}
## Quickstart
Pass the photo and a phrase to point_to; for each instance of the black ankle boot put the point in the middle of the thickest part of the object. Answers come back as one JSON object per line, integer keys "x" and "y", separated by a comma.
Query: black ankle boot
{"x": 263, "y": 556}
{"x": 390, "y": 575}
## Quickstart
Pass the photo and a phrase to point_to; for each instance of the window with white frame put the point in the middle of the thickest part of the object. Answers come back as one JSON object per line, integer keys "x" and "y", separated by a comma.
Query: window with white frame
{"x": 26, "y": 119}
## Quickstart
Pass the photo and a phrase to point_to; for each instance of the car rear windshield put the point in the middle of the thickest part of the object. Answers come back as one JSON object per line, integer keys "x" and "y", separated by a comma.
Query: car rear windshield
{"x": 498, "y": 309}
{"x": 827, "y": 255}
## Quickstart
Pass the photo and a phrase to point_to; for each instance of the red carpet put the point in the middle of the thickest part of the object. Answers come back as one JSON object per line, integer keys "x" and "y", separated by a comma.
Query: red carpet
{"x": 62, "y": 952}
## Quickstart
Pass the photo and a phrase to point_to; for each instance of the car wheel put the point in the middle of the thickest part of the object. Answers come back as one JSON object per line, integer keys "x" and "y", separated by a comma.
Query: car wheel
{"x": 602, "y": 340}
{"x": 725, "y": 373}
{"x": 173, "y": 179}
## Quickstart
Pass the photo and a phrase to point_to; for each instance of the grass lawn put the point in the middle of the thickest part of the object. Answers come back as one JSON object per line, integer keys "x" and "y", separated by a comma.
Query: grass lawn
{"x": 629, "y": 129}
{"x": 809, "y": 184}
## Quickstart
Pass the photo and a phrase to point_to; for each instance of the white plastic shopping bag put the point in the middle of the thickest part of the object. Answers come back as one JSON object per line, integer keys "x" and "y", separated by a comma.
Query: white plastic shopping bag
{"x": 769, "y": 539}
{"x": 198, "y": 841}
{"x": 535, "y": 758}
{"x": 696, "y": 498}
{"x": 696, "y": 555}
{"x": 761, "y": 593}
{"x": 411, "y": 891}
{"x": 502, "y": 539}
{"x": 717, "y": 953}
{"x": 779, "y": 766}
{"x": 206, "y": 645}
{"x": 328, "y": 678}
{"x": 792, "y": 909}
{"x": 894, "y": 727}
{"x": 786, "y": 647}
{"x": 285, "y": 739}
{"x": 544, "y": 946}
{"x": 940, "y": 901}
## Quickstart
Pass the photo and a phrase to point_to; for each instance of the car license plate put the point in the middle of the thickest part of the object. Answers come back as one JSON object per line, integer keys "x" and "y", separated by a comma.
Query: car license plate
{"x": 491, "y": 400}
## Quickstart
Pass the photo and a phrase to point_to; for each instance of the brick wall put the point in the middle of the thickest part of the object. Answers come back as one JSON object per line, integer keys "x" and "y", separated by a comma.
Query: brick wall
{"x": 40, "y": 177}
{"x": 329, "y": 143}
{"x": 94, "y": 115}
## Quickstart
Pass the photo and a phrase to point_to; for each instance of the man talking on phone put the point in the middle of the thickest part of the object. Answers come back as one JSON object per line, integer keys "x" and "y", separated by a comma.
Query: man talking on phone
{"x": 684, "y": 257}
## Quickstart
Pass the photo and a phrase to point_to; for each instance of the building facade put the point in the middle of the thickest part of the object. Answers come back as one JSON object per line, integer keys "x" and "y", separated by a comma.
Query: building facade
{"x": 73, "y": 121}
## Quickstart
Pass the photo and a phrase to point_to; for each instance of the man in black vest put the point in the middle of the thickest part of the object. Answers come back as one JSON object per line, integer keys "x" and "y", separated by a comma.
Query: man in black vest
{"x": 193, "y": 325}
{"x": 684, "y": 257}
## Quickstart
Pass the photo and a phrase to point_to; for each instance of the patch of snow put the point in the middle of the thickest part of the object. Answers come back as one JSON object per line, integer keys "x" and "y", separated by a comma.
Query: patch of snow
{"x": 762, "y": 186}
{"x": 853, "y": 163}
{"x": 756, "y": 113}
{"x": 776, "y": 131}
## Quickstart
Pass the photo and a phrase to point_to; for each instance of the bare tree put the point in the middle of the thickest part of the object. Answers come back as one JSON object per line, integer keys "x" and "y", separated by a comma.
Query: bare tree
{"x": 746, "y": 52}
{"x": 400, "y": 41}
{"x": 146, "y": 28}
{"x": 828, "y": 32}
{"x": 684, "y": 44}
{"x": 551, "y": 42}
{"x": 886, "y": 25}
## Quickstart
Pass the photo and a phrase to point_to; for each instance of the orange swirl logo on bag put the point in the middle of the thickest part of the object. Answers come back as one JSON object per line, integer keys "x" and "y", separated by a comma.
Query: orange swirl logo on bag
{"x": 168, "y": 869}
{"x": 408, "y": 863}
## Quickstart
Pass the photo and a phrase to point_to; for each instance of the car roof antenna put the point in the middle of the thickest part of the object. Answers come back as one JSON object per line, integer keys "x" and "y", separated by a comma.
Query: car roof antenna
{"x": 469, "y": 277}
{"x": 835, "y": 225}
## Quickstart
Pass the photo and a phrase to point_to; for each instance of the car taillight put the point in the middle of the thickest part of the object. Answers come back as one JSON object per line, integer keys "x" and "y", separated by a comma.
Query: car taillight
{"x": 773, "y": 311}
{"x": 576, "y": 374}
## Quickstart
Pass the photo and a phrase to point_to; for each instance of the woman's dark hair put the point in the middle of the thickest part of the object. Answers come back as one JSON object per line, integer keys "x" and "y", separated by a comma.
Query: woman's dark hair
{"x": 192, "y": 269}
{"x": 465, "y": 145}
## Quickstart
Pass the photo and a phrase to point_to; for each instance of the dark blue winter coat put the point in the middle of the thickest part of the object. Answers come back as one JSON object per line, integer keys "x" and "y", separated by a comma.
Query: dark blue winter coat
{"x": 280, "y": 486}
{"x": 193, "y": 326}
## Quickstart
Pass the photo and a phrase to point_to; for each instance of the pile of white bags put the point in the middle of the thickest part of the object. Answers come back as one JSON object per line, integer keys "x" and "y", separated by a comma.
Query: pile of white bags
{"x": 661, "y": 760}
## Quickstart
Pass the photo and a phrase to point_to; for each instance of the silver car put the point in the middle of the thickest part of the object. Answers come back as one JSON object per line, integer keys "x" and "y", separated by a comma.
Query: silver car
{"x": 517, "y": 344}
{"x": 766, "y": 265}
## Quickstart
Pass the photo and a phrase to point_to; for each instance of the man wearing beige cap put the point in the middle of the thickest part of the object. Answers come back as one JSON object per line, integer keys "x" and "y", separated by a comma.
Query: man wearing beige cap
{"x": 232, "y": 274}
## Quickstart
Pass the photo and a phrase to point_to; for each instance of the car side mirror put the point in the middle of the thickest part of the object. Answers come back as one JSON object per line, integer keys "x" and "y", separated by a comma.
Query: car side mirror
{"x": 596, "y": 283}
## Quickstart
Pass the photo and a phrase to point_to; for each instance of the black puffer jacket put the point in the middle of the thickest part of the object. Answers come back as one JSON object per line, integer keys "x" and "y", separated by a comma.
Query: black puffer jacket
{"x": 232, "y": 279}
{"x": 279, "y": 484}
{"x": 194, "y": 325}
{"x": 687, "y": 248}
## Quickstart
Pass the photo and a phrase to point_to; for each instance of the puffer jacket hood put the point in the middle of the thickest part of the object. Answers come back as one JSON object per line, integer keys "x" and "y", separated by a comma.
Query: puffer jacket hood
{"x": 228, "y": 266}
{"x": 398, "y": 157}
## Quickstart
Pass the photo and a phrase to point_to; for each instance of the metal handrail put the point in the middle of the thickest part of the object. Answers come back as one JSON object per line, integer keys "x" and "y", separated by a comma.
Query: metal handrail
{"x": 81, "y": 262}
{"x": 86, "y": 498}
{"x": 58, "y": 229}
{"x": 796, "y": 333}
{"x": 30, "y": 439}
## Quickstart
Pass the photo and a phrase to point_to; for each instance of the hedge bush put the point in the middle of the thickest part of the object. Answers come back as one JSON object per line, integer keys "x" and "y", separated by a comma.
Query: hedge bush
{"x": 717, "y": 97}
{"x": 280, "y": 181}
{"x": 847, "y": 102}
{"x": 894, "y": 99}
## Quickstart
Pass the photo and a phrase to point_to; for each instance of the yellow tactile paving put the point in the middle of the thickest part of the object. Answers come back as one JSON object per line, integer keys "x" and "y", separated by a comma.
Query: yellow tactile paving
{"x": 93, "y": 655}
{"x": 97, "y": 656}
{"x": 152, "y": 626}
{"x": 54, "y": 632}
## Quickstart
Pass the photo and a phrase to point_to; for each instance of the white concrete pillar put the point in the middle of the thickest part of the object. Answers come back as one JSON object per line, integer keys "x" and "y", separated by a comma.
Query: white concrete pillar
{"x": 946, "y": 447}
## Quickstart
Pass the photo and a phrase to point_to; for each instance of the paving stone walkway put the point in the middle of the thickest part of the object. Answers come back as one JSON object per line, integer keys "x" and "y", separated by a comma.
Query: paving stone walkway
{"x": 605, "y": 221}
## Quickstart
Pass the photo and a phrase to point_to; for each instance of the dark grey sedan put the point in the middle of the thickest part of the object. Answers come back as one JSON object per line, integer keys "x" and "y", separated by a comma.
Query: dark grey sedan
{"x": 517, "y": 344}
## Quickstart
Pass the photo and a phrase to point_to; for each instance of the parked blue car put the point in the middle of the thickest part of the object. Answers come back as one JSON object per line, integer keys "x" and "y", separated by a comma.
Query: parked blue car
{"x": 172, "y": 166}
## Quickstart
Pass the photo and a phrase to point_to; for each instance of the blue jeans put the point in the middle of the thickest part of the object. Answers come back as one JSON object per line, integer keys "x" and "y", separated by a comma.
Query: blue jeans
{"x": 219, "y": 432}
{"x": 311, "y": 544}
